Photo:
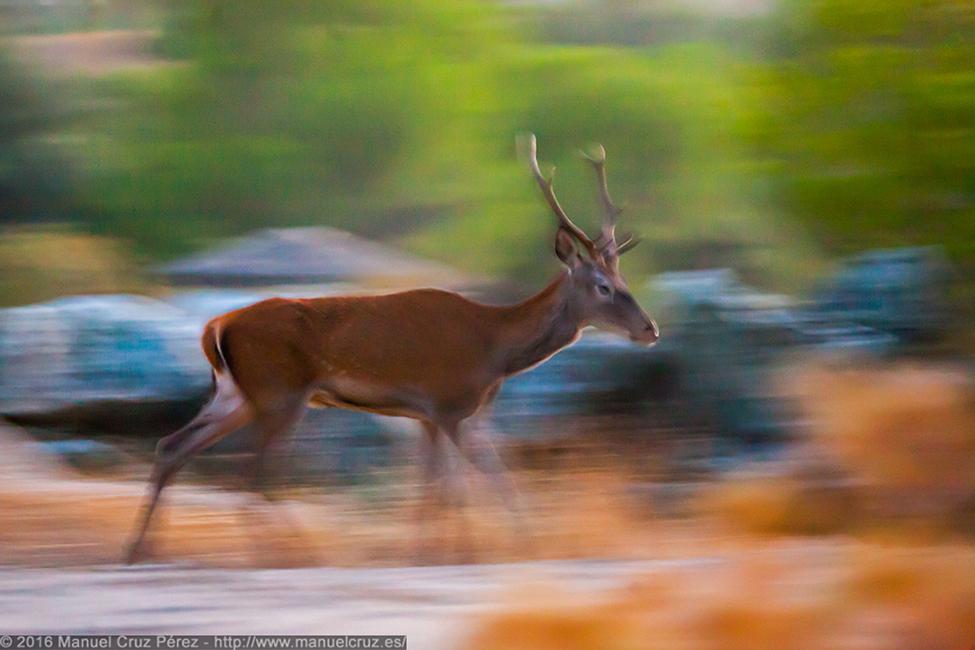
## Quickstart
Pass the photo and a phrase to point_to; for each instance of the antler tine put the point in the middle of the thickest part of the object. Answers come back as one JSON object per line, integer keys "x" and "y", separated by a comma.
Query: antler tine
{"x": 627, "y": 244}
{"x": 611, "y": 212}
{"x": 549, "y": 193}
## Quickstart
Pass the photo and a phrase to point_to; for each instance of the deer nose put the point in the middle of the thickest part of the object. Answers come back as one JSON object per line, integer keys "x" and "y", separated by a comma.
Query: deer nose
{"x": 647, "y": 336}
{"x": 652, "y": 333}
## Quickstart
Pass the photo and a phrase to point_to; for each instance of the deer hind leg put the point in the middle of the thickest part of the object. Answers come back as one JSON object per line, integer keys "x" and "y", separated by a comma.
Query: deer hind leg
{"x": 225, "y": 413}
{"x": 432, "y": 489}
{"x": 454, "y": 491}
{"x": 273, "y": 426}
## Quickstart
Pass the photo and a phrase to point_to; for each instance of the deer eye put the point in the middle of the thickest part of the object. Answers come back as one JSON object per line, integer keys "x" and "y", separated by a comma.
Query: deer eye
{"x": 603, "y": 289}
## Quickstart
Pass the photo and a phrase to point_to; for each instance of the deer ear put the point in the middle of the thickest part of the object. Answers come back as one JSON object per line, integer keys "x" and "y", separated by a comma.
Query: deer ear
{"x": 566, "y": 249}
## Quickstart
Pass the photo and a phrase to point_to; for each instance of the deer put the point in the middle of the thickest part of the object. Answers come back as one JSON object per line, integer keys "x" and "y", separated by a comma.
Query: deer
{"x": 427, "y": 354}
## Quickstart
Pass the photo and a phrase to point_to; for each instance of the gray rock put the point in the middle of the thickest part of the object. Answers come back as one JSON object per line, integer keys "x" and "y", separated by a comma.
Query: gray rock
{"x": 93, "y": 352}
{"x": 600, "y": 374}
{"x": 900, "y": 293}
{"x": 727, "y": 337}
{"x": 84, "y": 455}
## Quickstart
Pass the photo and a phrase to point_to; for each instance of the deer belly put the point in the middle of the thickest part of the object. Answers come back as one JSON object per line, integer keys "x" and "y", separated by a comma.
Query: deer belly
{"x": 365, "y": 396}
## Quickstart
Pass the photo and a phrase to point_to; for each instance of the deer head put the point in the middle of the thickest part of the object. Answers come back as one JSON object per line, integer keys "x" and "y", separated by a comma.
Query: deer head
{"x": 599, "y": 294}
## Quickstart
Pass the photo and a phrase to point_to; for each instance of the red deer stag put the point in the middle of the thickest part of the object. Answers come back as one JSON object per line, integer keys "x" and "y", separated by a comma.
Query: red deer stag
{"x": 430, "y": 355}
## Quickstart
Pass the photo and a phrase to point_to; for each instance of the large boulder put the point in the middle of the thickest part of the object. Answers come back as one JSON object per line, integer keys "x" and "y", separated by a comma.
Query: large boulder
{"x": 111, "y": 356}
{"x": 900, "y": 293}
{"x": 730, "y": 338}
{"x": 727, "y": 338}
{"x": 601, "y": 375}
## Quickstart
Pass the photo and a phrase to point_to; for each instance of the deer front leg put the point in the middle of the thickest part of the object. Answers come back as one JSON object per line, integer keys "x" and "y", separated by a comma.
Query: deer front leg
{"x": 474, "y": 439}
{"x": 476, "y": 445}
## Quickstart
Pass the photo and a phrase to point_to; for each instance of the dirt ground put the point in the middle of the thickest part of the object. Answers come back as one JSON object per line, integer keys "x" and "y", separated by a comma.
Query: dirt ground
{"x": 436, "y": 607}
{"x": 861, "y": 537}
{"x": 53, "y": 516}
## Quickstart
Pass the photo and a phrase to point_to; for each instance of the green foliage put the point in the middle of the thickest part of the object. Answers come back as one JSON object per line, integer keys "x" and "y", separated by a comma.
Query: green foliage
{"x": 669, "y": 118}
{"x": 847, "y": 124}
{"x": 869, "y": 121}
{"x": 34, "y": 180}
{"x": 401, "y": 123}
{"x": 293, "y": 112}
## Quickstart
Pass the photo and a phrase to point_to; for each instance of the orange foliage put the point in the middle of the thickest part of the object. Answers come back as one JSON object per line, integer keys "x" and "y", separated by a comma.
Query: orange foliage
{"x": 908, "y": 431}
{"x": 887, "y": 447}
{"x": 782, "y": 596}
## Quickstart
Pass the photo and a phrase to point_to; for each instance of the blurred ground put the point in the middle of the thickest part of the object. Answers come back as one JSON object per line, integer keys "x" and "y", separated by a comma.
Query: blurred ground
{"x": 52, "y": 516}
{"x": 858, "y": 536}
{"x": 433, "y": 606}
{"x": 834, "y": 593}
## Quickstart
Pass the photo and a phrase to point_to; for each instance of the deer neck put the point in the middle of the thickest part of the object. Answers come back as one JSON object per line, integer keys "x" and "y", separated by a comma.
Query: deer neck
{"x": 539, "y": 327}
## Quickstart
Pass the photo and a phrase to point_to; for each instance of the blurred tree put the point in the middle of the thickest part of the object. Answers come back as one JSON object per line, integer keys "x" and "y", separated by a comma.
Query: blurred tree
{"x": 670, "y": 118}
{"x": 400, "y": 121}
{"x": 869, "y": 115}
{"x": 34, "y": 176}
{"x": 349, "y": 113}
{"x": 397, "y": 120}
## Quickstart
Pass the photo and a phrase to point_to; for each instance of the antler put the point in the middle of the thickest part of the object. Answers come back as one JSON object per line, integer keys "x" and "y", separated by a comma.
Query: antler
{"x": 553, "y": 203}
{"x": 607, "y": 240}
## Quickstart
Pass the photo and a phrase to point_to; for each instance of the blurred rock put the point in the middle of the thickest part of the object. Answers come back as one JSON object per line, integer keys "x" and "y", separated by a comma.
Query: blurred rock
{"x": 726, "y": 337}
{"x": 85, "y": 455}
{"x": 309, "y": 257}
{"x": 203, "y": 304}
{"x": 20, "y": 458}
{"x": 600, "y": 374}
{"x": 900, "y": 293}
{"x": 117, "y": 356}
{"x": 729, "y": 338}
